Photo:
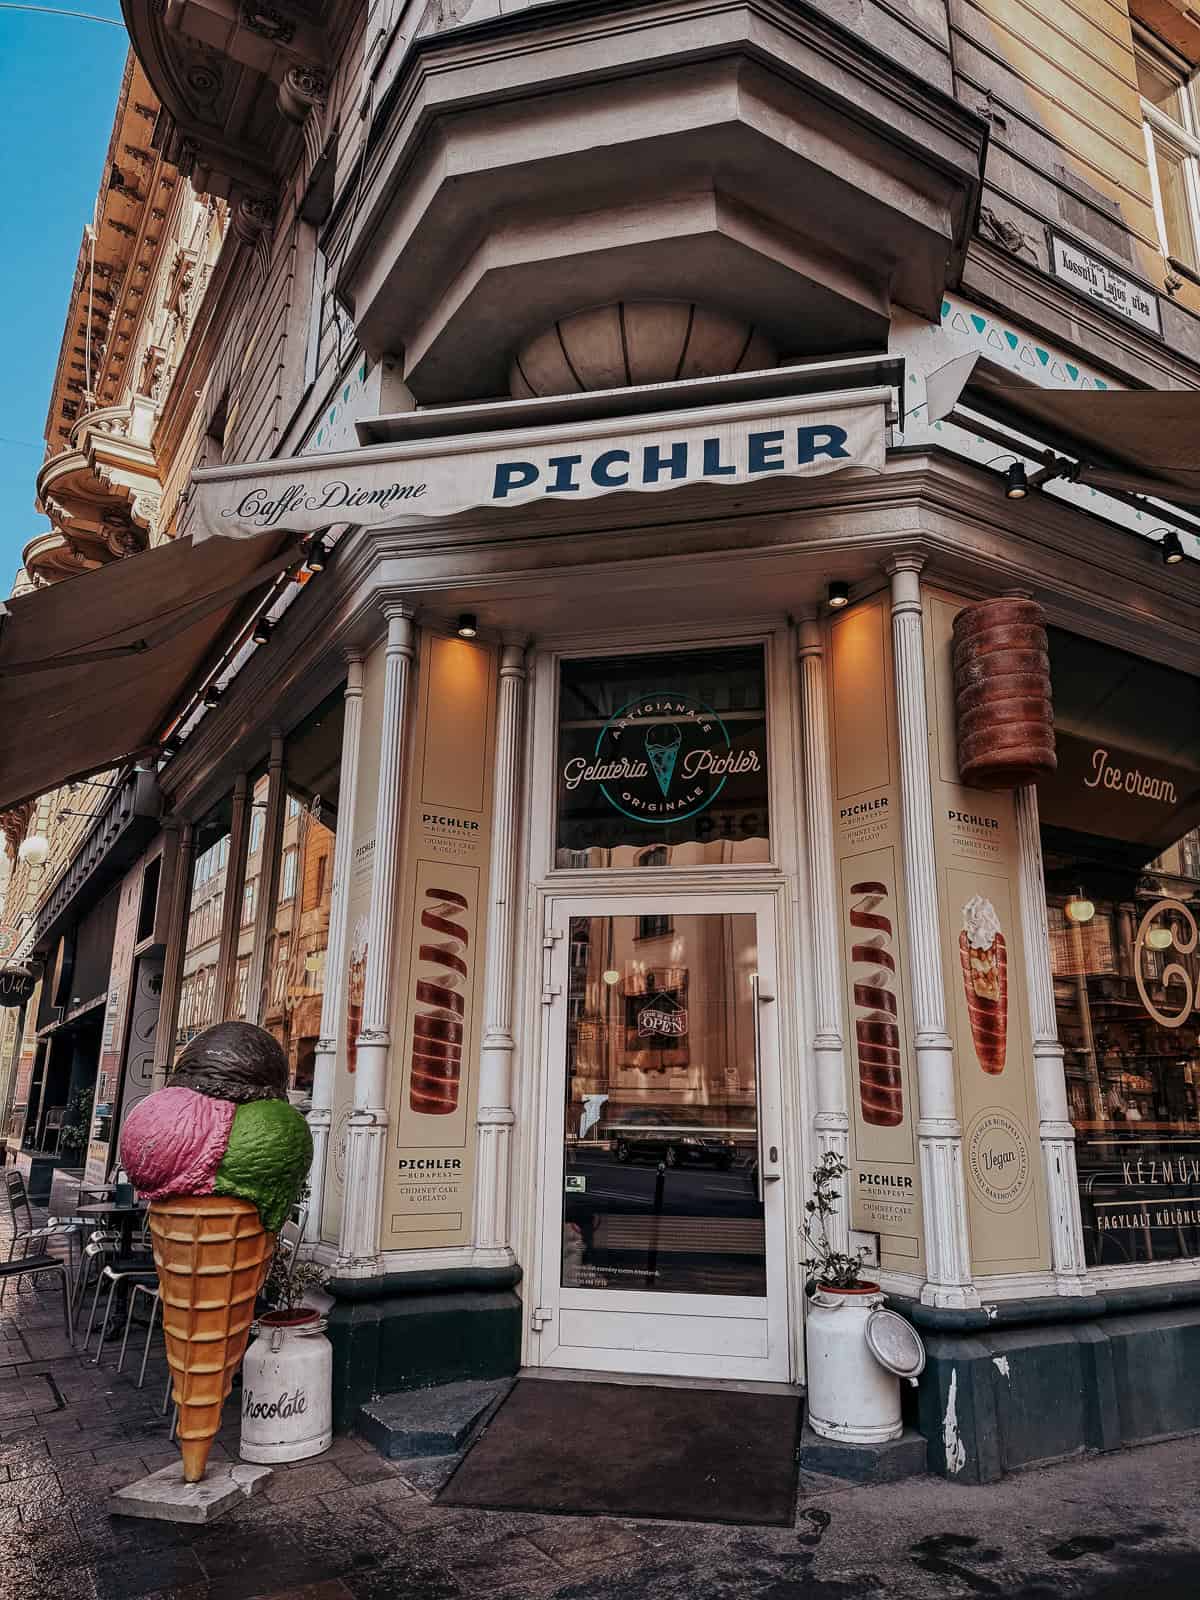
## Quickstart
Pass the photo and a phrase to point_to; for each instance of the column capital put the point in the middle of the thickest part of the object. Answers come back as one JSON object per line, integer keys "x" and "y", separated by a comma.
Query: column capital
{"x": 904, "y": 561}
{"x": 512, "y": 661}
{"x": 354, "y": 655}
{"x": 394, "y": 606}
{"x": 810, "y": 639}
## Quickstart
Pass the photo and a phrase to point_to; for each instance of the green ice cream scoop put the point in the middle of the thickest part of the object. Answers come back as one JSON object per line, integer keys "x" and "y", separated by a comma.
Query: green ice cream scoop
{"x": 267, "y": 1158}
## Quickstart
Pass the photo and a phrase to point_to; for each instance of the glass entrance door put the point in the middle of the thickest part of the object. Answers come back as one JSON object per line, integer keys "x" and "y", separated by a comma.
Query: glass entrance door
{"x": 663, "y": 1228}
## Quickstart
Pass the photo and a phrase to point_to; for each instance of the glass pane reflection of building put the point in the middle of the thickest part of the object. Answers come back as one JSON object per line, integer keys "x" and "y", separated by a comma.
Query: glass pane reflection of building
{"x": 660, "y": 1169}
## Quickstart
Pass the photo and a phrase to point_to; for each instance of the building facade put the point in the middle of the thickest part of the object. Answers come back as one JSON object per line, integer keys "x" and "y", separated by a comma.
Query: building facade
{"x": 647, "y": 388}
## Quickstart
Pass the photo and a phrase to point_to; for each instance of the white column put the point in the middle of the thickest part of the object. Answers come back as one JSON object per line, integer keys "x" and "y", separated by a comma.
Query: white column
{"x": 366, "y": 1134}
{"x": 943, "y": 1190}
{"x": 831, "y": 1121}
{"x": 494, "y": 1119}
{"x": 1054, "y": 1119}
{"x": 325, "y": 1057}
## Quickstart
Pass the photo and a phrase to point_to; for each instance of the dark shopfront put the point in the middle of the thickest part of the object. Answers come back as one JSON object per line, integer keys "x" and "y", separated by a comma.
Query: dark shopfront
{"x": 96, "y": 940}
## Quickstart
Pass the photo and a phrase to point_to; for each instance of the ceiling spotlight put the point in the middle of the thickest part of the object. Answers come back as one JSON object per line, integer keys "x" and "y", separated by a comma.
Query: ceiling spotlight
{"x": 262, "y": 630}
{"x": 466, "y": 628}
{"x": 170, "y": 747}
{"x": 1171, "y": 548}
{"x": 212, "y": 694}
{"x": 315, "y": 561}
{"x": 1016, "y": 486}
{"x": 1079, "y": 908}
{"x": 839, "y": 595}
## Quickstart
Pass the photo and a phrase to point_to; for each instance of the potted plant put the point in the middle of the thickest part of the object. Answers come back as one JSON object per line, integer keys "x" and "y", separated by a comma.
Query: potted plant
{"x": 284, "y": 1291}
{"x": 850, "y": 1394}
{"x": 827, "y": 1268}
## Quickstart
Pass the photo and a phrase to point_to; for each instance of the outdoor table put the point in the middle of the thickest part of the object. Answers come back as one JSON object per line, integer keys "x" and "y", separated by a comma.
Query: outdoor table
{"x": 122, "y": 1216}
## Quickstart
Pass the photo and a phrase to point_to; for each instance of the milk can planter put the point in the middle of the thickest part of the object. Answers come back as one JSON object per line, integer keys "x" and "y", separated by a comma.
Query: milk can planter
{"x": 854, "y": 1350}
{"x": 287, "y": 1388}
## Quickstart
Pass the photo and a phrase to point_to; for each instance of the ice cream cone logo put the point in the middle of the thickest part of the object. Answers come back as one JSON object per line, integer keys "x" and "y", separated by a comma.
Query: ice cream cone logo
{"x": 983, "y": 955}
{"x": 662, "y": 749}
{"x": 662, "y": 758}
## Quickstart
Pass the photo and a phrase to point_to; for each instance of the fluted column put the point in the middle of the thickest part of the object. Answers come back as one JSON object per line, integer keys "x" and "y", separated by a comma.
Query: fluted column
{"x": 831, "y": 1121}
{"x": 1055, "y": 1130}
{"x": 180, "y": 863}
{"x": 325, "y": 1057}
{"x": 939, "y": 1132}
{"x": 494, "y": 1118}
{"x": 366, "y": 1133}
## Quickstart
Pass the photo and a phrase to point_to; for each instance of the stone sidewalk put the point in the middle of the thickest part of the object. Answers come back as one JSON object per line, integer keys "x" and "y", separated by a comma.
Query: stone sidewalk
{"x": 351, "y": 1526}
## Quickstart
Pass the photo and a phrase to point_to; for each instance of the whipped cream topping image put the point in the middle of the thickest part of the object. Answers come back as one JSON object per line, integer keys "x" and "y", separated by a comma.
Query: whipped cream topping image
{"x": 980, "y": 922}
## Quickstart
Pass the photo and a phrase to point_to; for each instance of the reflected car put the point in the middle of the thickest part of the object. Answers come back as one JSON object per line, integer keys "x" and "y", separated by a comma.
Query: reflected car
{"x": 670, "y": 1136}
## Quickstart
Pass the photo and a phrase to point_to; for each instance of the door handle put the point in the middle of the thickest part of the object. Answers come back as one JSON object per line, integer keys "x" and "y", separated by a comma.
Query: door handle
{"x": 761, "y": 997}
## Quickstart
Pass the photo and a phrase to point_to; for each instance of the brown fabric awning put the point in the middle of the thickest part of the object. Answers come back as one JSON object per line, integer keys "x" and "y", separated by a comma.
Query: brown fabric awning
{"x": 1138, "y": 441}
{"x": 91, "y": 668}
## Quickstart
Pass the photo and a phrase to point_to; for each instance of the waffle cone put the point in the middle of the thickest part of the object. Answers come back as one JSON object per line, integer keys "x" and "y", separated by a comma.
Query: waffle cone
{"x": 989, "y": 1018}
{"x": 212, "y": 1254}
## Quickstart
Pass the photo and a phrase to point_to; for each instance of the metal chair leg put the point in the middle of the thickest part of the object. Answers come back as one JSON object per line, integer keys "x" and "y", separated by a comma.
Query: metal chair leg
{"x": 66, "y": 1294}
{"x": 87, "y": 1338}
{"x": 112, "y": 1289}
{"x": 154, "y": 1307}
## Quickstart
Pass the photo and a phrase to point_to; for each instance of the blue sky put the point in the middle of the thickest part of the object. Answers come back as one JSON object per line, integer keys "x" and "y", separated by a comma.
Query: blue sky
{"x": 59, "y": 78}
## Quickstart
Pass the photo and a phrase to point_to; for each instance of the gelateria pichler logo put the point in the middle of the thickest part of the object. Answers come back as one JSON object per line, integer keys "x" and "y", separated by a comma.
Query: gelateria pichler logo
{"x": 661, "y": 758}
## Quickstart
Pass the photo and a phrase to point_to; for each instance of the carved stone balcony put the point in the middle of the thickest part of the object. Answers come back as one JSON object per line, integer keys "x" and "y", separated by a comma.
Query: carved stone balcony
{"x": 236, "y": 80}
{"x": 102, "y": 493}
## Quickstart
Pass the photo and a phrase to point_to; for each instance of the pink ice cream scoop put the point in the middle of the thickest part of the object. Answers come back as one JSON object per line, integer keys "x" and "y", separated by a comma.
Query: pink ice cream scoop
{"x": 173, "y": 1141}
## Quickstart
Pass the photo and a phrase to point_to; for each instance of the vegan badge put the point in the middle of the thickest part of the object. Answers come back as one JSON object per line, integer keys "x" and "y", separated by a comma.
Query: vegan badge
{"x": 661, "y": 758}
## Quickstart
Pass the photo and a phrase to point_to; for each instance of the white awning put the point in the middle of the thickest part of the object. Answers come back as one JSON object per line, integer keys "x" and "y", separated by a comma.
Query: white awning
{"x": 91, "y": 669}
{"x": 799, "y": 421}
{"x": 1134, "y": 441}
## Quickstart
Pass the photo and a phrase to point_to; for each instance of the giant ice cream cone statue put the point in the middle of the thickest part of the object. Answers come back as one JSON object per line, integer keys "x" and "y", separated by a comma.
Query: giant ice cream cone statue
{"x": 983, "y": 955}
{"x": 221, "y": 1156}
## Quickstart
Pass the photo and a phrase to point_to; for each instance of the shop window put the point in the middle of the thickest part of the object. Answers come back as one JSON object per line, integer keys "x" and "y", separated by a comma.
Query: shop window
{"x": 1121, "y": 844}
{"x": 1171, "y": 124}
{"x": 198, "y": 983}
{"x": 662, "y": 760}
{"x": 148, "y": 904}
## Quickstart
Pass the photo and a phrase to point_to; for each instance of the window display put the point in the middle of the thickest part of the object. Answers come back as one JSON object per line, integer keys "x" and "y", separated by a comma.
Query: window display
{"x": 1121, "y": 841}
{"x": 662, "y": 760}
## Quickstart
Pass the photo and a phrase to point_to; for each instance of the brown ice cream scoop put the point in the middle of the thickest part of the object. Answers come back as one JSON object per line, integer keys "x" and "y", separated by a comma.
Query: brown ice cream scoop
{"x": 234, "y": 1061}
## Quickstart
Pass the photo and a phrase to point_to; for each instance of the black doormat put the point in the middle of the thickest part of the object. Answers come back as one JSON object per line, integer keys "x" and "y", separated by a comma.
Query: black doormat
{"x": 610, "y": 1449}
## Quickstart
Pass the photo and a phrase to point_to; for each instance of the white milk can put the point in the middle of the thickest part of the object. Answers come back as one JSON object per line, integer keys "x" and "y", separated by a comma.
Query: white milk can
{"x": 851, "y": 1395}
{"x": 287, "y": 1388}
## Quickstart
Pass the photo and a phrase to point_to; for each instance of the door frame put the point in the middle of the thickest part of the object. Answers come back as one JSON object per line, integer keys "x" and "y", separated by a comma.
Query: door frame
{"x": 785, "y": 877}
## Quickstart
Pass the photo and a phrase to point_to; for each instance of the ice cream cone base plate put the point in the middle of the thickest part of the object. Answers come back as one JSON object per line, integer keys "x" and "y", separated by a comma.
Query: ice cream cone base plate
{"x": 165, "y": 1497}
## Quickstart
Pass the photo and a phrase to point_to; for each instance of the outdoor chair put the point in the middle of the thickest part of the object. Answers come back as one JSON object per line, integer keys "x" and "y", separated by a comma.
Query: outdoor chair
{"x": 117, "y": 1274}
{"x": 53, "y": 1128}
{"x": 26, "y": 1239}
{"x": 154, "y": 1295}
{"x": 103, "y": 1245}
{"x": 32, "y": 1266}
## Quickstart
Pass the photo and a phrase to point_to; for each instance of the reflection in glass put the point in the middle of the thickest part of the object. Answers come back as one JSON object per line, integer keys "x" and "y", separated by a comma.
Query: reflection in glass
{"x": 198, "y": 1002}
{"x": 660, "y": 1168}
{"x": 1125, "y": 985}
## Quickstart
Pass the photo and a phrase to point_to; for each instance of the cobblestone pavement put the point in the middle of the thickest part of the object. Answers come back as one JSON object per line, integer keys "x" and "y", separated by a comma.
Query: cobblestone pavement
{"x": 350, "y": 1526}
